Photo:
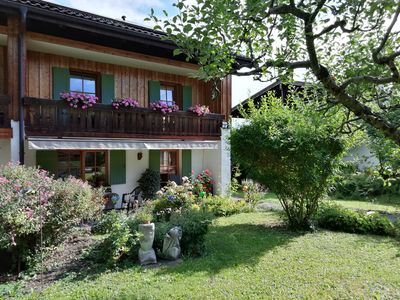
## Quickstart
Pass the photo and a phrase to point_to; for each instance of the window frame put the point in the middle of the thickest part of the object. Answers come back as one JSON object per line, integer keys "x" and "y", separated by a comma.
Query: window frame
{"x": 177, "y": 94}
{"x": 88, "y": 74}
{"x": 177, "y": 164}
{"x": 82, "y": 158}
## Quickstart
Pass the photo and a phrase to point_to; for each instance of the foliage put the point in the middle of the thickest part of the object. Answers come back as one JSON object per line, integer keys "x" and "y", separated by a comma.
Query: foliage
{"x": 105, "y": 222}
{"x": 120, "y": 242}
{"x": 335, "y": 217}
{"x": 79, "y": 100}
{"x": 124, "y": 103}
{"x": 350, "y": 47}
{"x": 173, "y": 198}
{"x": 144, "y": 215}
{"x": 220, "y": 206}
{"x": 351, "y": 183}
{"x": 252, "y": 191}
{"x": 32, "y": 200}
{"x": 149, "y": 183}
{"x": 199, "y": 110}
{"x": 291, "y": 149}
{"x": 164, "y": 107}
{"x": 236, "y": 173}
{"x": 194, "y": 226}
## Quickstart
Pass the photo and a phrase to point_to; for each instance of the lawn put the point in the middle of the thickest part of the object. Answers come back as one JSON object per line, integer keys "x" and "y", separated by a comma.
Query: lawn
{"x": 251, "y": 256}
{"x": 390, "y": 204}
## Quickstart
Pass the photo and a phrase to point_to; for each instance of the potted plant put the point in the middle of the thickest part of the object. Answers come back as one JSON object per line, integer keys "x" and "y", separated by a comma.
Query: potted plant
{"x": 199, "y": 110}
{"x": 143, "y": 216}
{"x": 164, "y": 107}
{"x": 124, "y": 103}
{"x": 79, "y": 100}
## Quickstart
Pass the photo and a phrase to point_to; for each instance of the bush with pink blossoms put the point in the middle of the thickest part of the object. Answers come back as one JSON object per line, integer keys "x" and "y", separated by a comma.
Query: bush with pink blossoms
{"x": 124, "y": 103}
{"x": 199, "y": 110}
{"x": 31, "y": 200}
{"x": 164, "y": 107}
{"x": 79, "y": 100}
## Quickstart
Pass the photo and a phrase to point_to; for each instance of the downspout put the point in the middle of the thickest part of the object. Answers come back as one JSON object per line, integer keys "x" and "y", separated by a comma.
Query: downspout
{"x": 21, "y": 82}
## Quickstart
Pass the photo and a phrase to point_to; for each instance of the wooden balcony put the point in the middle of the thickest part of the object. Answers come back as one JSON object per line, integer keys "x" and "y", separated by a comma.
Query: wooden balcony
{"x": 55, "y": 118}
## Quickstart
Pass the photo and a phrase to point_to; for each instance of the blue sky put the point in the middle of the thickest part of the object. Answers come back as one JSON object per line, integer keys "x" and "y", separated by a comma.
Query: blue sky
{"x": 135, "y": 12}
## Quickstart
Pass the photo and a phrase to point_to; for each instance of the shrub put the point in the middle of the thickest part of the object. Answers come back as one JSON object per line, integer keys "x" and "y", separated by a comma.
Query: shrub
{"x": 335, "y": 217}
{"x": 222, "y": 207}
{"x": 104, "y": 224}
{"x": 30, "y": 198}
{"x": 149, "y": 183}
{"x": 292, "y": 149}
{"x": 252, "y": 191}
{"x": 172, "y": 198}
{"x": 194, "y": 226}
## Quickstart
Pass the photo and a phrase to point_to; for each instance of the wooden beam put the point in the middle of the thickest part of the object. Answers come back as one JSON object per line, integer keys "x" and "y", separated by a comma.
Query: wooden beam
{"x": 108, "y": 50}
{"x": 12, "y": 64}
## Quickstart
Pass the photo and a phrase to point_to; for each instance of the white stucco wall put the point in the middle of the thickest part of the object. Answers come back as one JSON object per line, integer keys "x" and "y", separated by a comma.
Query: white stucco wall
{"x": 134, "y": 168}
{"x": 5, "y": 151}
{"x": 15, "y": 142}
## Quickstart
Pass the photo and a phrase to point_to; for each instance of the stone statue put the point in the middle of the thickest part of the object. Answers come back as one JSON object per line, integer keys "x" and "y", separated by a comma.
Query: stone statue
{"x": 146, "y": 252}
{"x": 171, "y": 248}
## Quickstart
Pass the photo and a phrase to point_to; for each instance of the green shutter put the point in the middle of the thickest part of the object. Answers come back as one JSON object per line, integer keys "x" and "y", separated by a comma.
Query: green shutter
{"x": 154, "y": 160}
{"x": 186, "y": 163}
{"x": 154, "y": 91}
{"x": 187, "y": 97}
{"x": 117, "y": 167}
{"x": 47, "y": 160}
{"x": 107, "y": 88}
{"x": 60, "y": 81}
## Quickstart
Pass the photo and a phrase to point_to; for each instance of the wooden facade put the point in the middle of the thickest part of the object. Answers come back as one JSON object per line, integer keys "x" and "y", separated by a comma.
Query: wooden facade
{"x": 128, "y": 82}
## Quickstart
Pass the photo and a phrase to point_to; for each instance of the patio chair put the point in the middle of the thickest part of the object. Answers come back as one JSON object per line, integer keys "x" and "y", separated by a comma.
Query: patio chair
{"x": 176, "y": 178}
{"x": 131, "y": 199}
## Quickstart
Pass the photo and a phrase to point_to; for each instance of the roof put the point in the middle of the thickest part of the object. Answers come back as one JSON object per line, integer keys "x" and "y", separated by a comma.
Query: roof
{"x": 54, "y": 19}
{"x": 76, "y": 13}
{"x": 275, "y": 85}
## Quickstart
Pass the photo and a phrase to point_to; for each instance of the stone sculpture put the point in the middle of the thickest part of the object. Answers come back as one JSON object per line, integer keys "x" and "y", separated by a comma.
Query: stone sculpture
{"x": 146, "y": 251}
{"x": 171, "y": 248}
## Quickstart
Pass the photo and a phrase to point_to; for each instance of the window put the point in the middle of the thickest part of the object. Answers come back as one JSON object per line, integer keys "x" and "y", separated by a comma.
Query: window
{"x": 83, "y": 83}
{"x": 168, "y": 164}
{"x": 170, "y": 93}
{"x": 87, "y": 165}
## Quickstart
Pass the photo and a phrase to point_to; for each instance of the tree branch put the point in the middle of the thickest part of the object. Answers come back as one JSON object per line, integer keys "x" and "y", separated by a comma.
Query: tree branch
{"x": 367, "y": 78}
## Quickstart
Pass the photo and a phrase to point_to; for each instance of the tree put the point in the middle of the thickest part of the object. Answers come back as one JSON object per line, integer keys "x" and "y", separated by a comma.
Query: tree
{"x": 292, "y": 150}
{"x": 351, "y": 47}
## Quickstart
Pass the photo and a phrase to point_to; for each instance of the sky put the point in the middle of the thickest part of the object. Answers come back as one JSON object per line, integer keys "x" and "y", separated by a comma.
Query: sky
{"x": 135, "y": 12}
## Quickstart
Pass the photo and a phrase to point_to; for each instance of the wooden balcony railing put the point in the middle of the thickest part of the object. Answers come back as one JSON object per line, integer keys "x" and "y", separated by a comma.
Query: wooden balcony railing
{"x": 56, "y": 118}
{"x": 4, "y": 116}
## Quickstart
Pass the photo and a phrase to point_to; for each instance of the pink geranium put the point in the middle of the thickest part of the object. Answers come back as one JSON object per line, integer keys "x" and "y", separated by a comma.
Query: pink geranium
{"x": 124, "y": 103}
{"x": 164, "y": 107}
{"x": 79, "y": 100}
{"x": 199, "y": 110}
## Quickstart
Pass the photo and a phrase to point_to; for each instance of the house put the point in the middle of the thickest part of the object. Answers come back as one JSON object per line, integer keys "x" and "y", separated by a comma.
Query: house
{"x": 47, "y": 49}
{"x": 279, "y": 90}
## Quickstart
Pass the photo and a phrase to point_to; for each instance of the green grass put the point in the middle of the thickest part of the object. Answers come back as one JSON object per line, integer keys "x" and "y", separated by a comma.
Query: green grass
{"x": 251, "y": 256}
{"x": 382, "y": 203}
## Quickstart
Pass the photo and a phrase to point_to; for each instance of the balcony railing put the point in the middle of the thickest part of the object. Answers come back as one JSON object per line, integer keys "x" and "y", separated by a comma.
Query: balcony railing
{"x": 4, "y": 116}
{"x": 55, "y": 118}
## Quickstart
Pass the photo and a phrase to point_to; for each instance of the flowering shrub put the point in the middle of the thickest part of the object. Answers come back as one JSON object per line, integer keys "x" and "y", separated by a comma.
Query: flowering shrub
{"x": 79, "y": 100}
{"x": 203, "y": 183}
{"x": 164, "y": 107}
{"x": 200, "y": 110}
{"x": 124, "y": 103}
{"x": 172, "y": 198}
{"x": 30, "y": 199}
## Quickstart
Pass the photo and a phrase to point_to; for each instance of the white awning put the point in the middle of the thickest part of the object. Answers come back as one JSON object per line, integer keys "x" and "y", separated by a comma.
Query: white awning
{"x": 116, "y": 144}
